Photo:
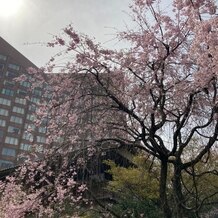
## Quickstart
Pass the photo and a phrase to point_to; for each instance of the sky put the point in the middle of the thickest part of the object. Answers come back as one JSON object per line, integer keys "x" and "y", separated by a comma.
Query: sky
{"x": 35, "y": 22}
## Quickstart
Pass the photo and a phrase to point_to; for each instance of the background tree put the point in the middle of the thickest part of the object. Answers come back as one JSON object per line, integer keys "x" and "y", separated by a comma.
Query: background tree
{"x": 195, "y": 181}
{"x": 135, "y": 188}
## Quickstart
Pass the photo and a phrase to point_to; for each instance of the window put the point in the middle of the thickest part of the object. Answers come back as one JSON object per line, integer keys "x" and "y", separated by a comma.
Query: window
{"x": 11, "y": 140}
{"x": 25, "y": 147}
{"x": 1, "y": 66}
{"x": 5, "y": 101}
{"x": 16, "y": 119}
{"x": 21, "y": 92}
{"x": 8, "y": 92}
{"x": 30, "y": 126}
{"x": 35, "y": 100}
{"x": 42, "y": 129}
{"x": 28, "y": 136}
{"x": 18, "y": 110}
{"x": 44, "y": 121}
{"x": 11, "y": 74}
{"x": 31, "y": 117}
{"x": 14, "y": 66}
{"x": 3, "y": 112}
{"x": 9, "y": 83}
{"x": 39, "y": 148}
{"x": 2, "y": 122}
{"x": 25, "y": 84}
{"x": 9, "y": 152}
{"x": 3, "y": 57}
{"x": 6, "y": 164}
{"x": 40, "y": 139}
{"x": 13, "y": 130}
{"x": 37, "y": 92}
{"x": 32, "y": 108}
{"x": 20, "y": 101}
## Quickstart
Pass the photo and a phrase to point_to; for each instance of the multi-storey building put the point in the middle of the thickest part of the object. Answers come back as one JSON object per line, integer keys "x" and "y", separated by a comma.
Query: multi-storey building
{"x": 16, "y": 110}
{"x": 18, "y": 105}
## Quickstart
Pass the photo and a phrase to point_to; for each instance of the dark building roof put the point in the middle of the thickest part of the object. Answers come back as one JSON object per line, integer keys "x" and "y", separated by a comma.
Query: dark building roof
{"x": 7, "y": 172}
{"x": 14, "y": 55}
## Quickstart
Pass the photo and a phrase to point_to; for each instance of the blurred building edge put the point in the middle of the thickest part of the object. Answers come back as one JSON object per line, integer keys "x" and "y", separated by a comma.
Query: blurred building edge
{"x": 17, "y": 107}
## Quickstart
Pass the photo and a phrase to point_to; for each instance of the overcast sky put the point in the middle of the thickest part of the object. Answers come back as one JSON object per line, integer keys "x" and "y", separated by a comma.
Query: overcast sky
{"x": 37, "y": 20}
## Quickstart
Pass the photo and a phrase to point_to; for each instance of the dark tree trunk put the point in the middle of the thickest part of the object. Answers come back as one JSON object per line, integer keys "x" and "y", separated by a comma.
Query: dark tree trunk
{"x": 163, "y": 190}
{"x": 180, "y": 212}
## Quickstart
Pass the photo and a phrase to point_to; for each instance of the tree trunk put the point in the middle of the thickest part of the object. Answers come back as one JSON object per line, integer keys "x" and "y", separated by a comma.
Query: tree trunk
{"x": 177, "y": 192}
{"x": 163, "y": 190}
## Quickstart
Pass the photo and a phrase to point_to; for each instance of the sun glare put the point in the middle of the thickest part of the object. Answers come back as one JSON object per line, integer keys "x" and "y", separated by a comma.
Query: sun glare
{"x": 9, "y": 7}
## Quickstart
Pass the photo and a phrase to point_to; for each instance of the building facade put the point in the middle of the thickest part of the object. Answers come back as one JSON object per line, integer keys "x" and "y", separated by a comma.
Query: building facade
{"x": 17, "y": 107}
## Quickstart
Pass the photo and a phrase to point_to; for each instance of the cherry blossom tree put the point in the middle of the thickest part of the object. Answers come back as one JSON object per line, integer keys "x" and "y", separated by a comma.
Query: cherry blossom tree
{"x": 155, "y": 96}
